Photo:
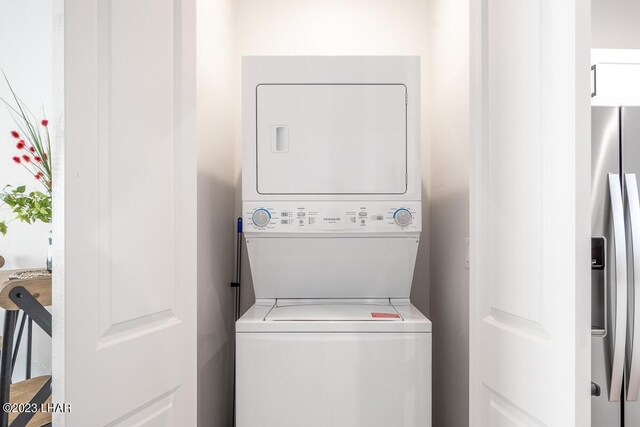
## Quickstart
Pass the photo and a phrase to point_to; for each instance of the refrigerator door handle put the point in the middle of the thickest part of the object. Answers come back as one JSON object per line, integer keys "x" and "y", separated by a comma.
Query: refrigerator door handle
{"x": 619, "y": 322}
{"x": 633, "y": 338}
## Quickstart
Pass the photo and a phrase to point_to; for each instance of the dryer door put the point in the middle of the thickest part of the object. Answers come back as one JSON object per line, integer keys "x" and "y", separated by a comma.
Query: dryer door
{"x": 331, "y": 138}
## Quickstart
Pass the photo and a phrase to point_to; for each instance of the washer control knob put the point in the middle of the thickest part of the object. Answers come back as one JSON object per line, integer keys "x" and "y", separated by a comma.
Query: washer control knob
{"x": 402, "y": 217}
{"x": 261, "y": 217}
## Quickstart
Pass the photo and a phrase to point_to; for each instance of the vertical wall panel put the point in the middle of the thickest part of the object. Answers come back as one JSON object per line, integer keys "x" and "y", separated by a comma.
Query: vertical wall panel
{"x": 447, "y": 122}
{"x": 217, "y": 74}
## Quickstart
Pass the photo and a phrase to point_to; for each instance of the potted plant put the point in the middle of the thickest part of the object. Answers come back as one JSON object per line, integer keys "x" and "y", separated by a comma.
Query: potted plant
{"x": 33, "y": 152}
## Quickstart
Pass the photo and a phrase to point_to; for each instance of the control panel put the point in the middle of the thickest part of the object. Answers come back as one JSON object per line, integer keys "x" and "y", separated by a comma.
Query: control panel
{"x": 306, "y": 217}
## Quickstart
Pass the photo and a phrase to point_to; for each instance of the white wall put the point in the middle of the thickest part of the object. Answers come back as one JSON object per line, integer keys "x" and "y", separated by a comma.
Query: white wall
{"x": 448, "y": 115}
{"x": 340, "y": 27}
{"x": 25, "y": 57}
{"x": 216, "y": 192}
{"x": 615, "y": 24}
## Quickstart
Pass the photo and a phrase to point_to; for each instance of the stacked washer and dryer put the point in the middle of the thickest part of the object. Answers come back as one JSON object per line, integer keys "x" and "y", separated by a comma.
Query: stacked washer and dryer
{"x": 332, "y": 212}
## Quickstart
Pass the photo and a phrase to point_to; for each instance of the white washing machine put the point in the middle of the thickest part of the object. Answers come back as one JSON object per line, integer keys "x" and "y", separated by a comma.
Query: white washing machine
{"x": 332, "y": 214}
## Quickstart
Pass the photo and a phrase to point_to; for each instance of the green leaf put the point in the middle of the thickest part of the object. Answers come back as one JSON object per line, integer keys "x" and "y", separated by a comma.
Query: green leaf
{"x": 29, "y": 208}
{"x": 3, "y": 228}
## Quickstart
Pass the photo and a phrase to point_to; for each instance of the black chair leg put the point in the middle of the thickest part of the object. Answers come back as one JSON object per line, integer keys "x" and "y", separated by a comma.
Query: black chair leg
{"x": 10, "y": 319}
{"x": 16, "y": 348}
{"x": 29, "y": 341}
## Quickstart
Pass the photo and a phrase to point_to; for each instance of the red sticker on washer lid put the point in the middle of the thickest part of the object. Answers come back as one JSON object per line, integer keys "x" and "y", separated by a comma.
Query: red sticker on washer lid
{"x": 385, "y": 315}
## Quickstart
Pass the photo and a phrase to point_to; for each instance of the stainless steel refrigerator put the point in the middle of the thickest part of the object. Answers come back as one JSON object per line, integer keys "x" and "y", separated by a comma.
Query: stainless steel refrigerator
{"x": 615, "y": 266}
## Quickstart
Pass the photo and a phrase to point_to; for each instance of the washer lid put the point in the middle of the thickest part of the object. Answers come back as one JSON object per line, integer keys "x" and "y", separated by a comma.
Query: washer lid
{"x": 333, "y": 316}
{"x": 336, "y": 312}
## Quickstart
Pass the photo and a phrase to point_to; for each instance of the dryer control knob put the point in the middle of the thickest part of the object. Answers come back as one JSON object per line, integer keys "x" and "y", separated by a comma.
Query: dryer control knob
{"x": 402, "y": 217}
{"x": 261, "y": 217}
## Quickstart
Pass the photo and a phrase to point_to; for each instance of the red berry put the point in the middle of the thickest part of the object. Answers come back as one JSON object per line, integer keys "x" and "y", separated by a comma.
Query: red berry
{"x": 26, "y": 158}
{"x": 44, "y": 122}
{"x": 38, "y": 175}
{"x": 20, "y": 145}
{"x": 16, "y": 159}
{"x": 32, "y": 149}
{"x": 37, "y": 158}
{"x": 15, "y": 134}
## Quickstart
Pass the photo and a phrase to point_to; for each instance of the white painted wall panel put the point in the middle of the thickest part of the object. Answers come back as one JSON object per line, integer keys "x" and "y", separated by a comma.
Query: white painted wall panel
{"x": 448, "y": 125}
{"x": 217, "y": 74}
